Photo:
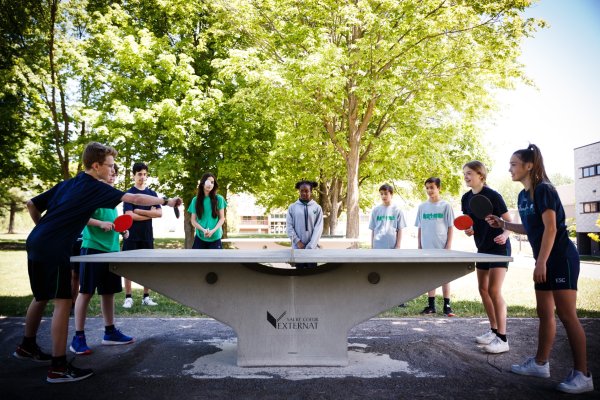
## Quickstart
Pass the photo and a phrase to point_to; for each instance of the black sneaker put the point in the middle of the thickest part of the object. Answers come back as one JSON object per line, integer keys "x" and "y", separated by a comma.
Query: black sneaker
{"x": 428, "y": 310}
{"x": 448, "y": 312}
{"x": 34, "y": 354}
{"x": 67, "y": 373}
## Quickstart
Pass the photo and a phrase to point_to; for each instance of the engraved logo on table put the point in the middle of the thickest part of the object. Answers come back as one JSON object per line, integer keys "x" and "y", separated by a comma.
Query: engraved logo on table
{"x": 285, "y": 322}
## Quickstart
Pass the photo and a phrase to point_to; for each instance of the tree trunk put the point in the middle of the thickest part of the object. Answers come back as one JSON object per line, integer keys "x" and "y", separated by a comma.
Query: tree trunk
{"x": 336, "y": 187}
{"x": 352, "y": 162}
{"x": 325, "y": 203}
{"x": 11, "y": 219}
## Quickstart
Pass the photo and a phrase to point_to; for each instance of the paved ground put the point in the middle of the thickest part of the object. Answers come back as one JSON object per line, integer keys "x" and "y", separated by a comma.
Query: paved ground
{"x": 412, "y": 358}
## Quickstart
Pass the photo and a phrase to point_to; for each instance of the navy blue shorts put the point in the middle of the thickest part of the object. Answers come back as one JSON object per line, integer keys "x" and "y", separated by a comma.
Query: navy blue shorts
{"x": 50, "y": 280}
{"x": 562, "y": 271}
{"x": 94, "y": 276}
{"x": 506, "y": 251}
{"x": 75, "y": 251}
{"x": 204, "y": 245}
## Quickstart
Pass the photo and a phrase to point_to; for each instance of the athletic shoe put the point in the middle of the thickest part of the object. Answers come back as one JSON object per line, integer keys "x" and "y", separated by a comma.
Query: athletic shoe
{"x": 496, "y": 346}
{"x": 67, "y": 373}
{"x": 128, "y": 303}
{"x": 576, "y": 382}
{"x": 486, "y": 338}
{"x": 79, "y": 345}
{"x": 147, "y": 301}
{"x": 116, "y": 337}
{"x": 448, "y": 312}
{"x": 532, "y": 368}
{"x": 428, "y": 310}
{"x": 34, "y": 354}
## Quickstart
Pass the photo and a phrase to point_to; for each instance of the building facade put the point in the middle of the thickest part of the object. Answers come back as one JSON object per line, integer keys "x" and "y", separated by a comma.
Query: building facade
{"x": 587, "y": 197}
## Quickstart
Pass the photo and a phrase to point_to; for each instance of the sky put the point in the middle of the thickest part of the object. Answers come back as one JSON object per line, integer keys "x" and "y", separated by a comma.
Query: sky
{"x": 562, "y": 111}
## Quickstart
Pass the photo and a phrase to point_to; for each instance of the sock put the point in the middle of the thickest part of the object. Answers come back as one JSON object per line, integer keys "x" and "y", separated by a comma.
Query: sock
{"x": 495, "y": 330}
{"x": 502, "y": 337}
{"x": 127, "y": 296}
{"x": 146, "y": 295}
{"x": 79, "y": 333}
{"x": 109, "y": 329}
{"x": 446, "y": 302}
{"x": 59, "y": 361}
{"x": 28, "y": 341}
{"x": 431, "y": 301}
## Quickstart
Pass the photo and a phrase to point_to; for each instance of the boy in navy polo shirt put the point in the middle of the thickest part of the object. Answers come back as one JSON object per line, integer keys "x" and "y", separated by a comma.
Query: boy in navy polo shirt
{"x": 66, "y": 209}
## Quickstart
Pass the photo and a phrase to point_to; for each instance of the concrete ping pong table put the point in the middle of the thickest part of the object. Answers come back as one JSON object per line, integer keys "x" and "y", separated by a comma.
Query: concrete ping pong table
{"x": 289, "y": 316}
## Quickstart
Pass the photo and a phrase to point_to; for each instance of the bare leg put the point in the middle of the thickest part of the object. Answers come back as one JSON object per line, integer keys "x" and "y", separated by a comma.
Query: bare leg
{"x": 60, "y": 326}
{"x": 446, "y": 290}
{"x": 108, "y": 308}
{"x": 488, "y": 305}
{"x": 81, "y": 308}
{"x": 33, "y": 318}
{"x": 127, "y": 286}
{"x": 547, "y": 328}
{"x": 566, "y": 309}
{"x": 496, "y": 279}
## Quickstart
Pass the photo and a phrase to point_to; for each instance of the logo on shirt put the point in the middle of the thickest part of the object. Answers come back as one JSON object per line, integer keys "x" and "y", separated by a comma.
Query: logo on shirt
{"x": 433, "y": 216}
{"x": 386, "y": 218}
{"x": 526, "y": 208}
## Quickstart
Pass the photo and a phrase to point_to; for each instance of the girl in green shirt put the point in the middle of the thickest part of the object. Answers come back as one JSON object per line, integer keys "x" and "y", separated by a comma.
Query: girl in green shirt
{"x": 208, "y": 214}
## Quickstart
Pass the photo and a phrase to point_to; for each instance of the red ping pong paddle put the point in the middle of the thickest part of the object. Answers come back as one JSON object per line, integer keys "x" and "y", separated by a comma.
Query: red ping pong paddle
{"x": 123, "y": 222}
{"x": 463, "y": 222}
{"x": 480, "y": 206}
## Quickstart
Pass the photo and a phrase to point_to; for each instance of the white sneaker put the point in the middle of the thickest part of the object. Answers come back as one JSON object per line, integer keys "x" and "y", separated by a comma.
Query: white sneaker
{"x": 496, "y": 346}
{"x": 128, "y": 303}
{"x": 486, "y": 338}
{"x": 531, "y": 368}
{"x": 576, "y": 382}
{"x": 147, "y": 301}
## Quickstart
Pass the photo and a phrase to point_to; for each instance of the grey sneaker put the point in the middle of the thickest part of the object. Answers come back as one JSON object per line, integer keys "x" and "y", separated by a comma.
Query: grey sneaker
{"x": 496, "y": 346}
{"x": 147, "y": 301}
{"x": 576, "y": 382}
{"x": 486, "y": 338}
{"x": 531, "y": 368}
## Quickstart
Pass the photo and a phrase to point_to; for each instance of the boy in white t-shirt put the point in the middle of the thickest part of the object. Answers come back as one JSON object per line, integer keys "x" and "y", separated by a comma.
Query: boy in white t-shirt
{"x": 386, "y": 222}
{"x": 435, "y": 220}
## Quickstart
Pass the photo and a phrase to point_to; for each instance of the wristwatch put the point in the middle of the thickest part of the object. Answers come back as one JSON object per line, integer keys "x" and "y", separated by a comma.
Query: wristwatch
{"x": 165, "y": 201}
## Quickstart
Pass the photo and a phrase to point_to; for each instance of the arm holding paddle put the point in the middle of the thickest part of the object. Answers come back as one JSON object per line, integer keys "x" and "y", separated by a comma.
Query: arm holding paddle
{"x": 104, "y": 225}
{"x": 145, "y": 200}
{"x": 497, "y": 222}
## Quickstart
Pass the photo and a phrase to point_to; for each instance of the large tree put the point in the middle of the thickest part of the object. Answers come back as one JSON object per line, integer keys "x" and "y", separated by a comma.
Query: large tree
{"x": 396, "y": 85}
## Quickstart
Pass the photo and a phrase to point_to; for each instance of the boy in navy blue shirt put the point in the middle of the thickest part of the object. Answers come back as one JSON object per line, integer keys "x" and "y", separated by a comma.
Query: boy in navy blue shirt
{"x": 66, "y": 209}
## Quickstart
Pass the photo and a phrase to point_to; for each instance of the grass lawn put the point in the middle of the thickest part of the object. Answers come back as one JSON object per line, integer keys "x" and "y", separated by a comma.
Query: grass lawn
{"x": 15, "y": 294}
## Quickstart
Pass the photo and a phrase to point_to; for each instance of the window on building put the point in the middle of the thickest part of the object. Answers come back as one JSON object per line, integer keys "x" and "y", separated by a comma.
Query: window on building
{"x": 591, "y": 207}
{"x": 591, "y": 170}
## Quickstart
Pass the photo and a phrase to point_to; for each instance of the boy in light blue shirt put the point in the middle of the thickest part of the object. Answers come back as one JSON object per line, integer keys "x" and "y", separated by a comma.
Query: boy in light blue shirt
{"x": 386, "y": 222}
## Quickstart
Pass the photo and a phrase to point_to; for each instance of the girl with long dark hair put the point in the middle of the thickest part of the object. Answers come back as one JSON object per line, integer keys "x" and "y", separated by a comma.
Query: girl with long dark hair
{"x": 208, "y": 214}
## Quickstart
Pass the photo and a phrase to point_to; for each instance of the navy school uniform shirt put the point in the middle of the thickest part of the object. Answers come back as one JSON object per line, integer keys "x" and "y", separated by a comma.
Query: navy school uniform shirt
{"x": 484, "y": 233}
{"x": 140, "y": 231}
{"x": 68, "y": 207}
{"x": 545, "y": 198}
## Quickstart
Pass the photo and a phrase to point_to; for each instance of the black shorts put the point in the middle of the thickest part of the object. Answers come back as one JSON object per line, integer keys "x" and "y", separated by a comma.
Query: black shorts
{"x": 204, "y": 245}
{"x": 94, "y": 276}
{"x": 562, "y": 271}
{"x": 137, "y": 244}
{"x": 506, "y": 251}
{"x": 50, "y": 280}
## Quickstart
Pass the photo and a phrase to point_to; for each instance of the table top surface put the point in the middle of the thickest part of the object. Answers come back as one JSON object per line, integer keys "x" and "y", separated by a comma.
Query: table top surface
{"x": 292, "y": 256}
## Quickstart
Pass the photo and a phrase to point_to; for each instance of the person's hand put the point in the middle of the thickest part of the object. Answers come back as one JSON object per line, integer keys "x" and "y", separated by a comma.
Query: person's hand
{"x": 125, "y": 234}
{"x": 539, "y": 273}
{"x": 301, "y": 245}
{"x": 208, "y": 233}
{"x": 494, "y": 221}
{"x": 469, "y": 232}
{"x": 500, "y": 239}
{"x": 174, "y": 202}
{"x": 106, "y": 226}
